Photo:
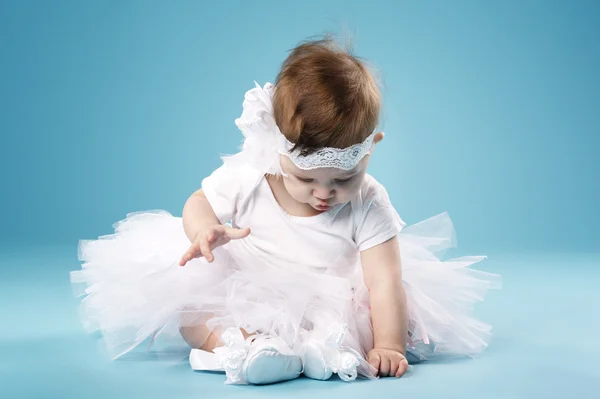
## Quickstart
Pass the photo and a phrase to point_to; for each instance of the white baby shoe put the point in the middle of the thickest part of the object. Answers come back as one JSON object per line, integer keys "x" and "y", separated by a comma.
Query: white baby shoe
{"x": 315, "y": 365}
{"x": 323, "y": 355}
{"x": 257, "y": 360}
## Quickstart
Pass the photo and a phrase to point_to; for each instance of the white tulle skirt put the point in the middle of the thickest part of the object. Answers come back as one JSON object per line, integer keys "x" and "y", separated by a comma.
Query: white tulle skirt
{"x": 133, "y": 290}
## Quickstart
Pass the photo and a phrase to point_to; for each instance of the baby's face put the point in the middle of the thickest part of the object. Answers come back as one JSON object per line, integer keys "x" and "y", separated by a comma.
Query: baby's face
{"x": 324, "y": 187}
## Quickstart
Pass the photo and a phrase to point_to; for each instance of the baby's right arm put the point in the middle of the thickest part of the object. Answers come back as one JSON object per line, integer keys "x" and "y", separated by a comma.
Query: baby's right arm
{"x": 204, "y": 229}
{"x": 198, "y": 215}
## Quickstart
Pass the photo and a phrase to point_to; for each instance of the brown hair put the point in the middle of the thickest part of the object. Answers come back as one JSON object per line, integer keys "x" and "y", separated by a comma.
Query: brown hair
{"x": 325, "y": 97}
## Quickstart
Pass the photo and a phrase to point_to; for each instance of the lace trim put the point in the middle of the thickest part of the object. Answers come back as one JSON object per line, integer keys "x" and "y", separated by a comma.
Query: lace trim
{"x": 345, "y": 159}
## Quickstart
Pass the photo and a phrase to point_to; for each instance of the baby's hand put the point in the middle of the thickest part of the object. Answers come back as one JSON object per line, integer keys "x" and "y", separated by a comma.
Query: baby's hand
{"x": 209, "y": 239}
{"x": 388, "y": 362}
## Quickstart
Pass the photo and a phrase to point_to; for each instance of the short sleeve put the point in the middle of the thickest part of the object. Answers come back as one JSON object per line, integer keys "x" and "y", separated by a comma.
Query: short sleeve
{"x": 223, "y": 190}
{"x": 228, "y": 188}
{"x": 378, "y": 221}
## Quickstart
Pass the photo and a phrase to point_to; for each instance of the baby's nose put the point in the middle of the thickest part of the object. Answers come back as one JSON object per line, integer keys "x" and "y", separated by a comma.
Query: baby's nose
{"x": 323, "y": 194}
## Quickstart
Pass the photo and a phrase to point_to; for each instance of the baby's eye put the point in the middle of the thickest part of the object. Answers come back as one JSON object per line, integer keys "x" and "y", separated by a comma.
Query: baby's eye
{"x": 342, "y": 181}
{"x": 302, "y": 179}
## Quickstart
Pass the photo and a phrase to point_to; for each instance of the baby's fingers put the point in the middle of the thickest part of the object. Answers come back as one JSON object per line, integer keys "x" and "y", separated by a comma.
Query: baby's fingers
{"x": 206, "y": 250}
{"x": 384, "y": 366}
{"x": 394, "y": 362}
{"x": 193, "y": 252}
{"x": 402, "y": 367}
{"x": 374, "y": 360}
{"x": 236, "y": 234}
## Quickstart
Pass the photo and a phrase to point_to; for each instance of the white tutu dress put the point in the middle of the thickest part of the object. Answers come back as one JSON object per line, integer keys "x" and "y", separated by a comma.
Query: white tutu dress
{"x": 292, "y": 277}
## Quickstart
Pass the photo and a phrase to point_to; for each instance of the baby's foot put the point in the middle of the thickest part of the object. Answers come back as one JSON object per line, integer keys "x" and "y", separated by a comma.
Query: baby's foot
{"x": 270, "y": 360}
{"x": 315, "y": 366}
{"x": 258, "y": 360}
{"x": 323, "y": 357}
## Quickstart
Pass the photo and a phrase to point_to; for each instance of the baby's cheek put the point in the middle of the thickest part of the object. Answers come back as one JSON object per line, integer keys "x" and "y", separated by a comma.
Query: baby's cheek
{"x": 297, "y": 195}
{"x": 351, "y": 190}
{"x": 296, "y": 192}
{"x": 345, "y": 194}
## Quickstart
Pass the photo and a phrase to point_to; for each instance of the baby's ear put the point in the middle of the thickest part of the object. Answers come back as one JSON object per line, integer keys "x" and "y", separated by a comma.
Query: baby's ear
{"x": 378, "y": 137}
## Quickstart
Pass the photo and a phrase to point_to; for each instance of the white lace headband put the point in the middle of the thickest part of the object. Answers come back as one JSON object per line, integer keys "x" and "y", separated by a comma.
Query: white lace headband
{"x": 264, "y": 142}
{"x": 340, "y": 158}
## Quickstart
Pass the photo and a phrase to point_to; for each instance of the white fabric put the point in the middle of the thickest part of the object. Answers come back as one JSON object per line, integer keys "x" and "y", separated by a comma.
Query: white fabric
{"x": 134, "y": 289}
{"x": 377, "y": 220}
{"x": 201, "y": 360}
{"x": 228, "y": 187}
{"x": 324, "y": 354}
{"x": 334, "y": 237}
{"x": 261, "y": 141}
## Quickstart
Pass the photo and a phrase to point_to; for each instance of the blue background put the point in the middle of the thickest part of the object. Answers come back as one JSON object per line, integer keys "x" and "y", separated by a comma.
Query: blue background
{"x": 491, "y": 113}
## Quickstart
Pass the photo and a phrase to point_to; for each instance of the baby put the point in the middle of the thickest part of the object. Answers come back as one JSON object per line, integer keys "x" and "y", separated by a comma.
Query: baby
{"x": 295, "y": 260}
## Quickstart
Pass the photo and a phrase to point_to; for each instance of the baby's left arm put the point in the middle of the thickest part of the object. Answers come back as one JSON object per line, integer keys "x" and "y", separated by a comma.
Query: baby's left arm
{"x": 382, "y": 272}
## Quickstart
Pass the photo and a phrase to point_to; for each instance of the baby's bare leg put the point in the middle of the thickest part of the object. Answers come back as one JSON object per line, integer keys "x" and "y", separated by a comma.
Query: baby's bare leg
{"x": 201, "y": 337}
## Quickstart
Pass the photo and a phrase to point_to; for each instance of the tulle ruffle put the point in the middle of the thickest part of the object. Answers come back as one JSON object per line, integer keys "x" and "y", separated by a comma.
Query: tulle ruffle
{"x": 133, "y": 290}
